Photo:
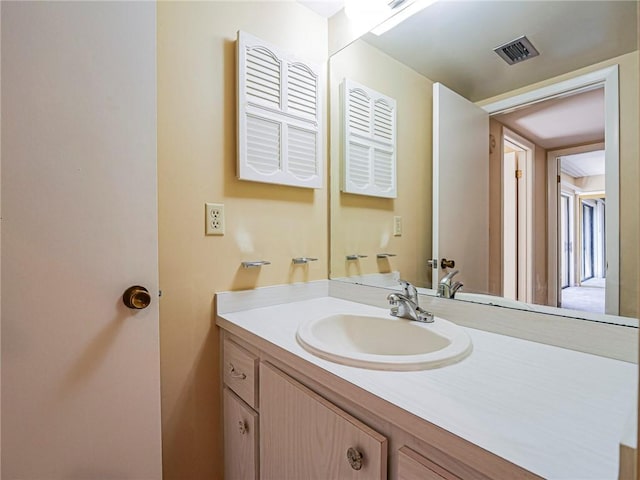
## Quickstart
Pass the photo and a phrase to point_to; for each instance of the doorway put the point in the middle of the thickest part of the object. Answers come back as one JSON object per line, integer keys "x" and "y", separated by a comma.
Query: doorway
{"x": 606, "y": 81}
{"x": 581, "y": 230}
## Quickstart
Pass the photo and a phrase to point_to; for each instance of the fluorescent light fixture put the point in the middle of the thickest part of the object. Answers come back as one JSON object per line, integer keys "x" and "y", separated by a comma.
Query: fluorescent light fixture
{"x": 411, "y": 9}
{"x": 356, "y": 9}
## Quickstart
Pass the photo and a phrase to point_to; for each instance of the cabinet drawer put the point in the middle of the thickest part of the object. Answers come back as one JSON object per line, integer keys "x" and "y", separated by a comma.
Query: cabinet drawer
{"x": 240, "y": 439}
{"x": 241, "y": 372}
{"x": 413, "y": 466}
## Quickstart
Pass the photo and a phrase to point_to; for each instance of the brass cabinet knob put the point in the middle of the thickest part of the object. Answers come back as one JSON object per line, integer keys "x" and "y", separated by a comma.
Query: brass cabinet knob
{"x": 243, "y": 427}
{"x": 447, "y": 263}
{"x": 355, "y": 458}
{"x": 136, "y": 297}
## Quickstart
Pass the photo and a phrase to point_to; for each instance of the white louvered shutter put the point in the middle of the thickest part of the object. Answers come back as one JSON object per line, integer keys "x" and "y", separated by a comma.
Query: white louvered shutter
{"x": 369, "y": 147}
{"x": 280, "y": 134}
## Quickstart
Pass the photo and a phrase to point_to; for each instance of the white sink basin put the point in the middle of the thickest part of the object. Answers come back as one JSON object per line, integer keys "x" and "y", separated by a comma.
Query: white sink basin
{"x": 384, "y": 342}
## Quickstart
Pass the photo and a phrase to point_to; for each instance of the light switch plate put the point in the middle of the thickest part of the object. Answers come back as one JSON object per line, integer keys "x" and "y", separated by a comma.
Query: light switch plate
{"x": 397, "y": 226}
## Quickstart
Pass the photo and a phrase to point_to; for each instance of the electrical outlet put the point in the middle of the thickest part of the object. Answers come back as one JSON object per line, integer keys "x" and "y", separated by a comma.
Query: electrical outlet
{"x": 214, "y": 218}
{"x": 397, "y": 226}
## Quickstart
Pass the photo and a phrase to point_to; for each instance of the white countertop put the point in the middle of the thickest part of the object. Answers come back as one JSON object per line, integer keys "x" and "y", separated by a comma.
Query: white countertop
{"x": 557, "y": 413}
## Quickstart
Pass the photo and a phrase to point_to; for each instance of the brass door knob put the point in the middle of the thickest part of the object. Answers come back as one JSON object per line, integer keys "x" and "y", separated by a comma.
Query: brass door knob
{"x": 136, "y": 297}
{"x": 447, "y": 263}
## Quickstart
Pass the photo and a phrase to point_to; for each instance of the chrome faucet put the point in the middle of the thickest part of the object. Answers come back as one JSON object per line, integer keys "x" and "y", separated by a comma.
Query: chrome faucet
{"x": 447, "y": 289}
{"x": 405, "y": 305}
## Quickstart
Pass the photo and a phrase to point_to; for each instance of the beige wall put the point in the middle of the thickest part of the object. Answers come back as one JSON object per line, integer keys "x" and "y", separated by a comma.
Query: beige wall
{"x": 629, "y": 170}
{"x": 196, "y": 164}
{"x": 591, "y": 184}
{"x": 364, "y": 224}
{"x": 594, "y": 183}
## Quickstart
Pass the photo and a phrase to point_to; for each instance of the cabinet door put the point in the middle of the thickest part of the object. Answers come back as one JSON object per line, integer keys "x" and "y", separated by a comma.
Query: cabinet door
{"x": 302, "y": 435}
{"x": 412, "y": 466}
{"x": 240, "y": 439}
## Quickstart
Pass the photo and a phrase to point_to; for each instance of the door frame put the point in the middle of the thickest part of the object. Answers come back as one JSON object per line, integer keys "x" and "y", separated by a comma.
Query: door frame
{"x": 607, "y": 78}
{"x": 526, "y": 213}
{"x": 571, "y": 241}
{"x": 584, "y": 205}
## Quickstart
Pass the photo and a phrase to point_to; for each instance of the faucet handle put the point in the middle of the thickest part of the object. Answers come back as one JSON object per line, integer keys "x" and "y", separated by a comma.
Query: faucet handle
{"x": 393, "y": 301}
{"x": 409, "y": 290}
{"x": 392, "y": 298}
{"x": 424, "y": 316}
{"x": 455, "y": 287}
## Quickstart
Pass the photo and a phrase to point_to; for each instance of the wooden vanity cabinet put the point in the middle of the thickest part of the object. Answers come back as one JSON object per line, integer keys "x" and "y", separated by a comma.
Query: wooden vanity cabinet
{"x": 286, "y": 419}
{"x": 241, "y": 420}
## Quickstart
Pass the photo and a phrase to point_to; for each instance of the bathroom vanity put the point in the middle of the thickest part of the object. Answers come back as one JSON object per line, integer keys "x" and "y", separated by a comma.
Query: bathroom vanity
{"x": 511, "y": 409}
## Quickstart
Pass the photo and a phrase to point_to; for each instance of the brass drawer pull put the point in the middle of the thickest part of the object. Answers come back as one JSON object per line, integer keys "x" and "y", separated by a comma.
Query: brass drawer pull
{"x": 243, "y": 427}
{"x": 235, "y": 374}
{"x": 355, "y": 458}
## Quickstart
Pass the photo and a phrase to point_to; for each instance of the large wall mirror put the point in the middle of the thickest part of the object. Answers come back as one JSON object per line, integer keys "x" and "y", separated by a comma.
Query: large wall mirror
{"x": 533, "y": 191}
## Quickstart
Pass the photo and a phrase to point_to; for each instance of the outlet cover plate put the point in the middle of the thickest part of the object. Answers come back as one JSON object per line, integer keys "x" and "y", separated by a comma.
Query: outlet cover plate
{"x": 214, "y": 218}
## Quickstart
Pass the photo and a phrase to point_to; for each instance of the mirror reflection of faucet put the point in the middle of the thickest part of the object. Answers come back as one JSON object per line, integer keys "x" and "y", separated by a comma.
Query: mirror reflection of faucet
{"x": 446, "y": 288}
{"x": 405, "y": 305}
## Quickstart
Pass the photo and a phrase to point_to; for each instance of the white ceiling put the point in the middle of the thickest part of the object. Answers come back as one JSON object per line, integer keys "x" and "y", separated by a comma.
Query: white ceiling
{"x": 561, "y": 122}
{"x": 452, "y": 41}
{"x": 326, "y": 8}
{"x": 583, "y": 164}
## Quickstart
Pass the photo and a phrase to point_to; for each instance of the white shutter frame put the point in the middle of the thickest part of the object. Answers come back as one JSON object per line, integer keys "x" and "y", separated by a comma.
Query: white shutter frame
{"x": 280, "y": 132}
{"x": 369, "y": 141}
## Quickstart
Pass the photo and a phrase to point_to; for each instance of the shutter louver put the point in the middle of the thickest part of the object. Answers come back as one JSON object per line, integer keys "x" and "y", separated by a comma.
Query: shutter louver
{"x": 279, "y": 116}
{"x": 302, "y": 91}
{"x": 302, "y": 145}
{"x": 263, "y": 145}
{"x": 263, "y": 77}
{"x": 369, "y": 162}
{"x": 383, "y": 124}
{"x": 382, "y": 170}
{"x": 359, "y": 170}
{"x": 359, "y": 112}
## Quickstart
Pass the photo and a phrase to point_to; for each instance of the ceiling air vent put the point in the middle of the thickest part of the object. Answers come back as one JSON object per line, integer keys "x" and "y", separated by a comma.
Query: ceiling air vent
{"x": 517, "y": 50}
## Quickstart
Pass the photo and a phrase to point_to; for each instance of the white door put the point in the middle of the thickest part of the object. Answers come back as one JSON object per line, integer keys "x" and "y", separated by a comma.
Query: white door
{"x": 460, "y": 188}
{"x": 80, "y": 371}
